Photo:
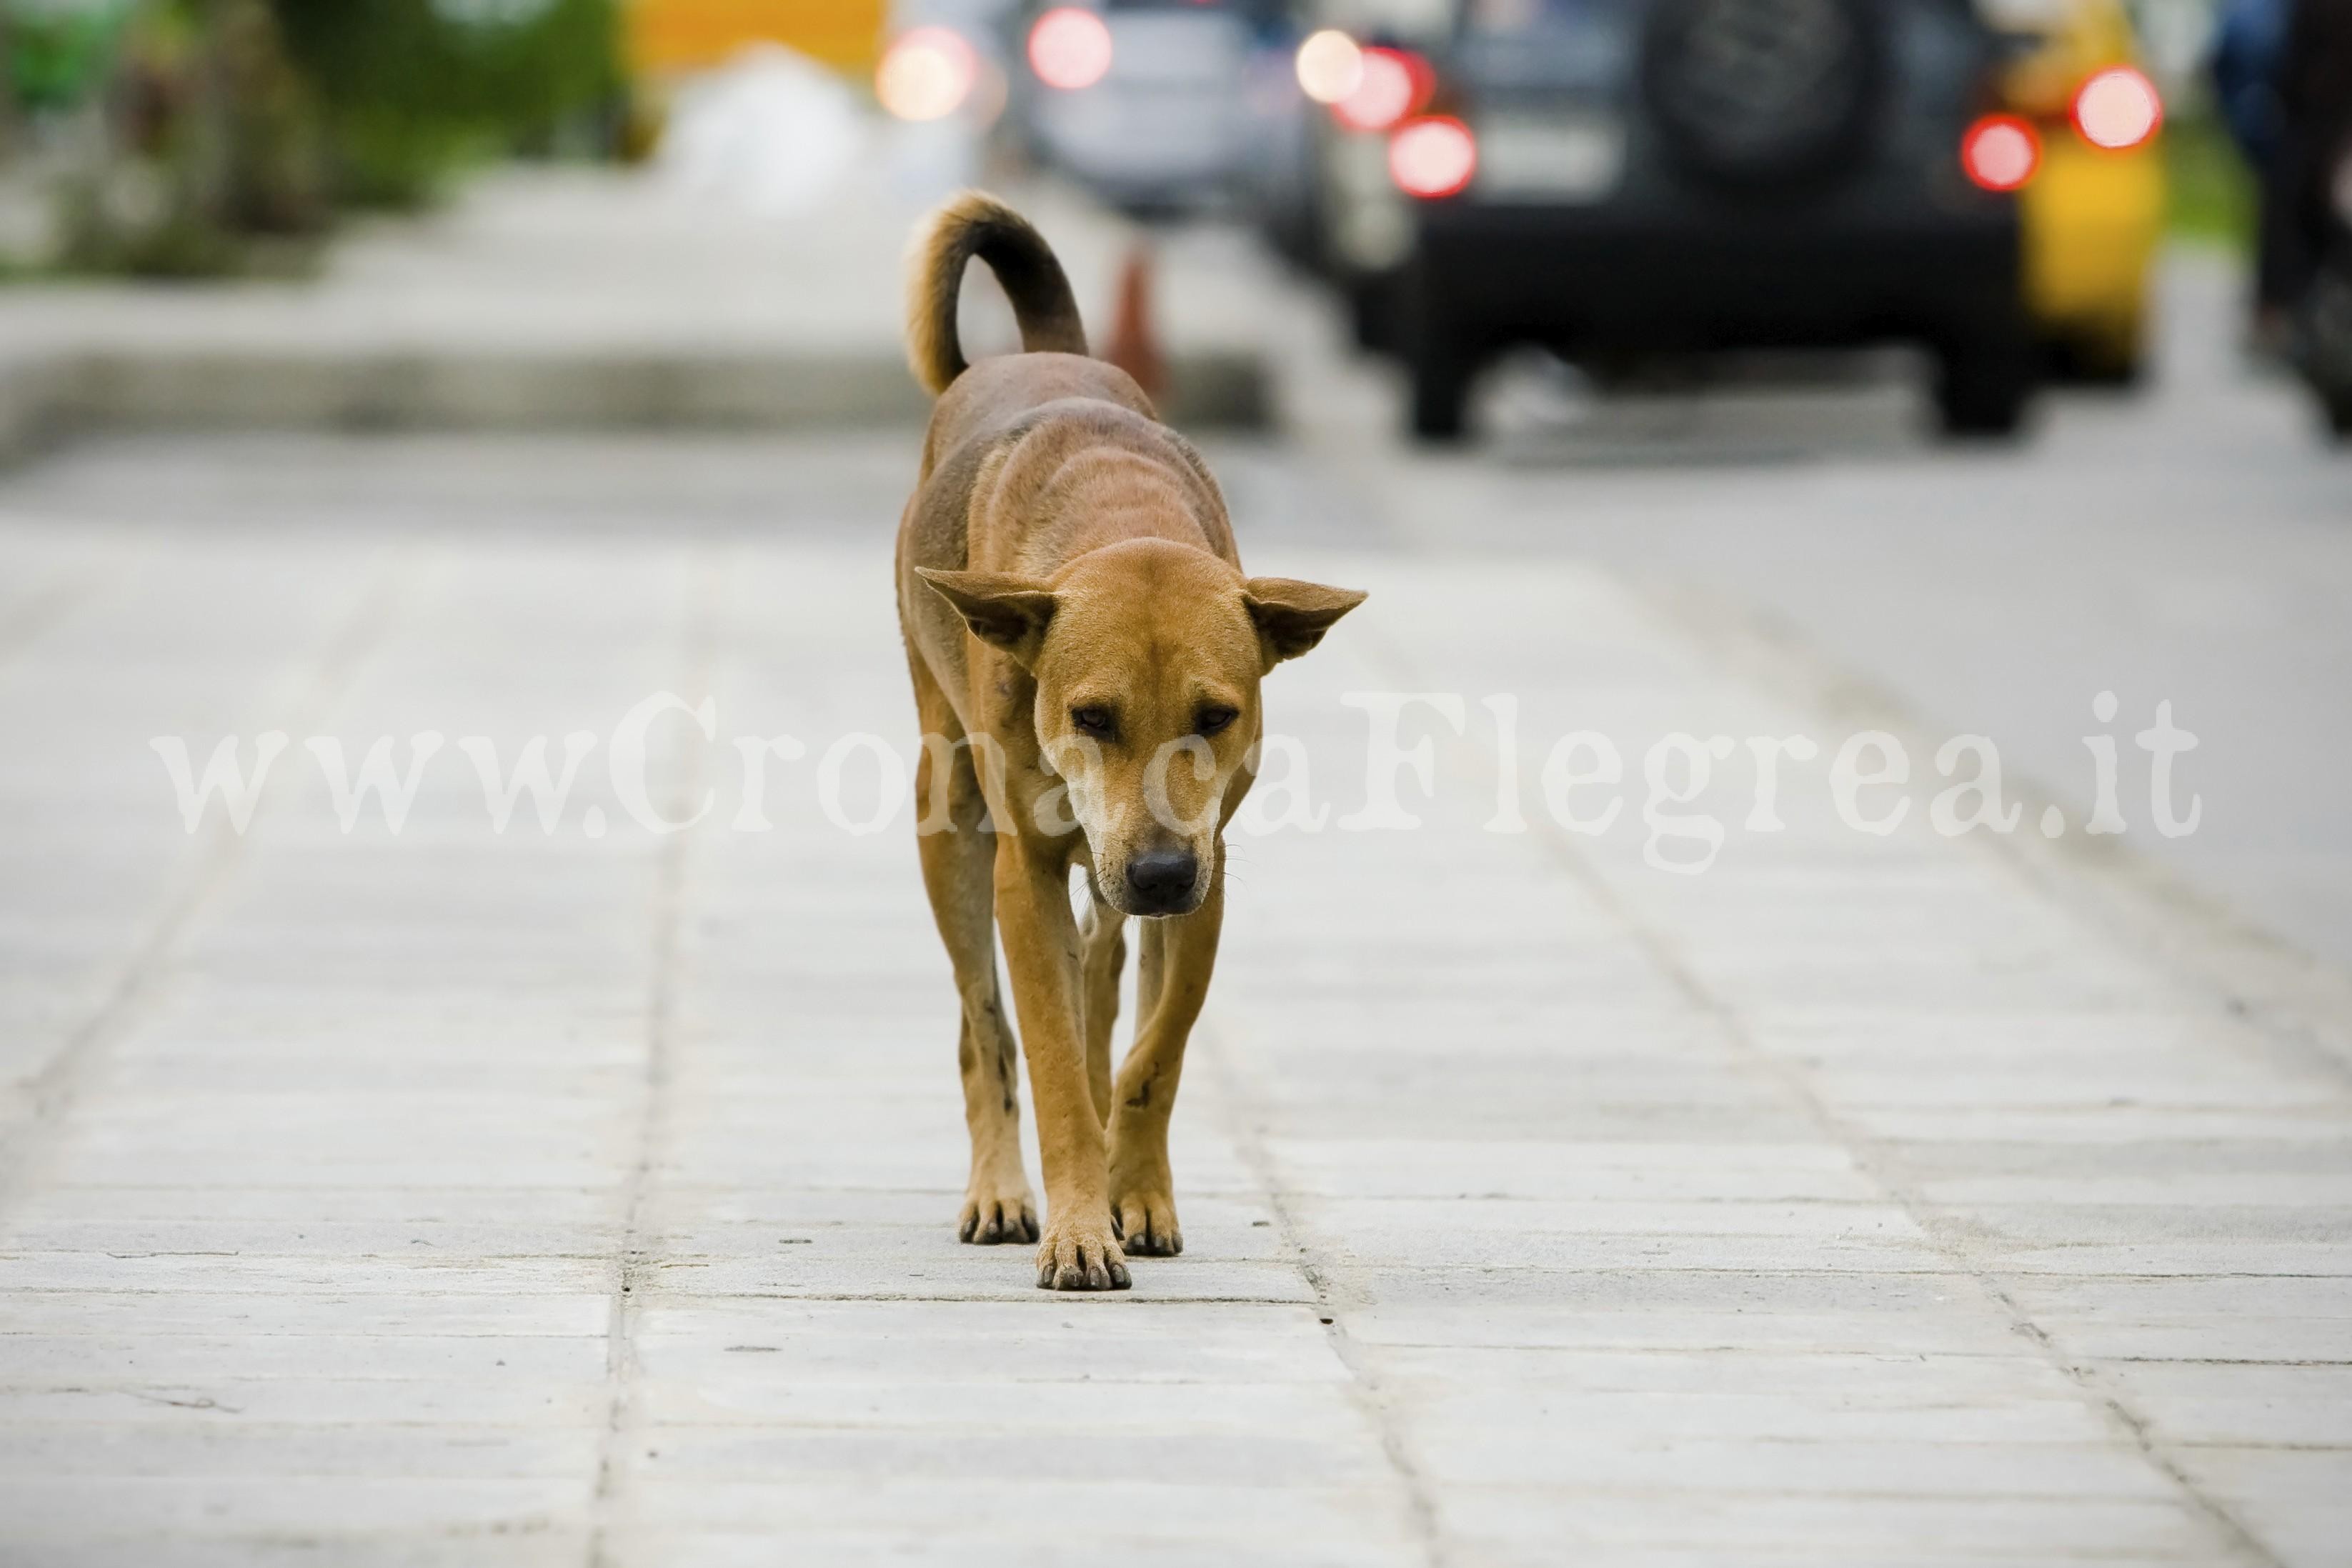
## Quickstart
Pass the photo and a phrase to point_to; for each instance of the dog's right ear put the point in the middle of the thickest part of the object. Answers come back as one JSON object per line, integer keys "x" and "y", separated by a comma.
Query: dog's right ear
{"x": 1002, "y": 611}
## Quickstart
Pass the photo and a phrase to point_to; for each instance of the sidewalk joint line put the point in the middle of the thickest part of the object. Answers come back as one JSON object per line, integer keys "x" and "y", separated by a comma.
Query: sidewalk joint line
{"x": 1364, "y": 1380}
{"x": 29, "y": 1129}
{"x": 635, "y": 1266}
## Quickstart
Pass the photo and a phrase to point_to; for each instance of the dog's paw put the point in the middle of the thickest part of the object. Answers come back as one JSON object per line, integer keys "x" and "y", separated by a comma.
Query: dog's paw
{"x": 1146, "y": 1223}
{"x": 1081, "y": 1255}
{"x": 992, "y": 1215}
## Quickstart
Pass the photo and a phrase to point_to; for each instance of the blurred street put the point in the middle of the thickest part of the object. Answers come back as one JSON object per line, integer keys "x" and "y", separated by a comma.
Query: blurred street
{"x": 460, "y": 1195}
{"x": 2186, "y": 543}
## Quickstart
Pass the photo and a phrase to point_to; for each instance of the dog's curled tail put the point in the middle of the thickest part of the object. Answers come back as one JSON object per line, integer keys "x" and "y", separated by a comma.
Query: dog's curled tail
{"x": 977, "y": 223}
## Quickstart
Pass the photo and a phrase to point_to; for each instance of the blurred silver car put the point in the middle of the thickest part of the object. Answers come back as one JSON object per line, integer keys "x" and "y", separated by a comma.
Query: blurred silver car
{"x": 1147, "y": 103}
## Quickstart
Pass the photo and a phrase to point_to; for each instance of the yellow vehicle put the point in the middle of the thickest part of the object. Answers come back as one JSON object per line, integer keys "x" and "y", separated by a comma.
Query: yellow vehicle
{"x": 2093, "y": 212}
{"x": 668, "y": 37}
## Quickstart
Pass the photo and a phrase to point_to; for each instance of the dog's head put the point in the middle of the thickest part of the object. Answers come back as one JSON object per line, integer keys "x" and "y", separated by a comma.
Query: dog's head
{"x": 1147, "y": 656}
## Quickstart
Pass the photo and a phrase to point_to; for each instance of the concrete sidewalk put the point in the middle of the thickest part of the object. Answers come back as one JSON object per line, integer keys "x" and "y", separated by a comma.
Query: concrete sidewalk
{"x": 459, "y": 1198}
{"x": 583, "y": 298}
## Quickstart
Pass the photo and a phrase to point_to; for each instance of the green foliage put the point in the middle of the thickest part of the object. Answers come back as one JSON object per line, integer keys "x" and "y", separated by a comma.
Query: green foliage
{"x": 2212, "y": 191}
{"x": 211, "y": 136}
{"x": 208, "y": 145}
{"x": 413, "y": 88}
{"x": 58, "y": 55}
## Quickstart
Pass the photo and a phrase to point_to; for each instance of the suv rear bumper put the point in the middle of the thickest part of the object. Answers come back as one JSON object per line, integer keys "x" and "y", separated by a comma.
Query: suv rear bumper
{"x": 1586, "y": 279}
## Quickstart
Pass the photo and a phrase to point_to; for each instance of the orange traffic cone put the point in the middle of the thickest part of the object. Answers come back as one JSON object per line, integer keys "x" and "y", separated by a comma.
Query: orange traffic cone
{"x": 1133, "y": 345}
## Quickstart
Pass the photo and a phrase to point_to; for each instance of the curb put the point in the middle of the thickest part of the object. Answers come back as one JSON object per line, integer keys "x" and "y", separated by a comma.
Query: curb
{"x": 101, "y": 390}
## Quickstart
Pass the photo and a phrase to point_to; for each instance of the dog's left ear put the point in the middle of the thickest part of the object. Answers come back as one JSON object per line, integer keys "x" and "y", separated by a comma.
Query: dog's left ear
{"x": 1292, "y": 616}
{"x": 1002, "y": 611}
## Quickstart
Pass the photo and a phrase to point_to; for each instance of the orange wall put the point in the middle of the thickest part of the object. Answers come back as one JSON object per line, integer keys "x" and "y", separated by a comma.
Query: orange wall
{"x": 667, "y": 36}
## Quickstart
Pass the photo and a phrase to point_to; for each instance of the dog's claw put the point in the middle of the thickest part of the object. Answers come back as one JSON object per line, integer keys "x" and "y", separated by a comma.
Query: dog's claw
{"x": 1081, "y": 1258}
{"x": 1146, "y": 1226}
{"x": 988, "y": 1221}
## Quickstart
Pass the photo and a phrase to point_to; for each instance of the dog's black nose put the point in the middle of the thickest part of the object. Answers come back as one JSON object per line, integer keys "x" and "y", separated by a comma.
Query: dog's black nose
{"x": 1163, "y": 878}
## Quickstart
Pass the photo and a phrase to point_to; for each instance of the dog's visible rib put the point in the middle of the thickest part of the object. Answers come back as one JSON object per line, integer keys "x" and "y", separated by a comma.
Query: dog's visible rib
{"x": 977, "y": 223}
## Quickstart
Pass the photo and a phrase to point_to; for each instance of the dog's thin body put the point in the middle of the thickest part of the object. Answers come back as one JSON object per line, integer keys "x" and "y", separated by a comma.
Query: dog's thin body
{"x": 1086, "y": 654}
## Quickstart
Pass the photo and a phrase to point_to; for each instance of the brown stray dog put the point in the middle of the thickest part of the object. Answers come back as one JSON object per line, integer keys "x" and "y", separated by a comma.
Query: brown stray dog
{"x": 1086, "y": 655}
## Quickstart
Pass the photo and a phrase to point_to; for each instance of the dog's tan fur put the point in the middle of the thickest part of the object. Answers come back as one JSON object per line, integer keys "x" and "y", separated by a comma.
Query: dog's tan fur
{"x": 1066, "y": 557}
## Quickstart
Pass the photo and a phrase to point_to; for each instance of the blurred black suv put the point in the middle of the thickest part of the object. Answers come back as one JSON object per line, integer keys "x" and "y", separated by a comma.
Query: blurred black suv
{"x": 1623, "y": 179}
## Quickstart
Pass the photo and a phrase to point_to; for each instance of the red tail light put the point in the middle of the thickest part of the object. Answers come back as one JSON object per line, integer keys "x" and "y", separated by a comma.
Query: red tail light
{"x": 1433, "y": 157}
{"x": 1393, "y": 84}
{"x": 2117, "y": 108}
{"x": 1070, "y": 48}
{"x": 2000, "y": 153}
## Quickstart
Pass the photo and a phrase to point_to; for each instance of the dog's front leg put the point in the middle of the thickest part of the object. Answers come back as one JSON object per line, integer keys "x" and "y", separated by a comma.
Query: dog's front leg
{"x": 1179, "y": 954}
{"x": 1080, "y": 1251}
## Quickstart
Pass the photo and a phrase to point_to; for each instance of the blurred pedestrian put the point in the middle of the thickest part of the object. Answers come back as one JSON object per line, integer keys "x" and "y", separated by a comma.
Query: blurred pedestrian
{"x": 2316, "y": 117}
{"x": 2283, "y": 79}
{"x": 2315, "y": 188}
{"x": 2249, "y": 61}
{"x": 2249, "y": 48}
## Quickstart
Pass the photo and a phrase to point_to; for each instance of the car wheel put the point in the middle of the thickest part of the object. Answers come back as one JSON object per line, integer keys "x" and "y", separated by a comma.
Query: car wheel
{"x": 1440, "y": 397}
{"x": 1441, "y": 355}
{"x": 1982, "y": 390}
{"x": 2113, "y": 359}
{"x": 1372, "y": 314}
{"x": 2119, "y": 373}
{"x": 2323, "y": 347}
{"x": 2339, "y": 414}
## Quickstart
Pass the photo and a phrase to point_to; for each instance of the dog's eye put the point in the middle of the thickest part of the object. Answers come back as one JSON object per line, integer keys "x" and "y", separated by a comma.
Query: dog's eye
{"x": 1095, "y": 721}
{"x": 1215, "y": 719}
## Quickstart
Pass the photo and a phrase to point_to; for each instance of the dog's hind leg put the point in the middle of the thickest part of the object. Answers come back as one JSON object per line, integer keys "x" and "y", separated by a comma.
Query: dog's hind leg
{"x": 1102, "y": 954}
{"x": 958, "y": 861}
{"x": 1150, "y": 963}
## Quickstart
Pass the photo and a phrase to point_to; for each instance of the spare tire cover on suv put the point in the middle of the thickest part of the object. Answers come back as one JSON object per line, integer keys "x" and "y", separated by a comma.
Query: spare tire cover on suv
{"x": 1763, "y": 92}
